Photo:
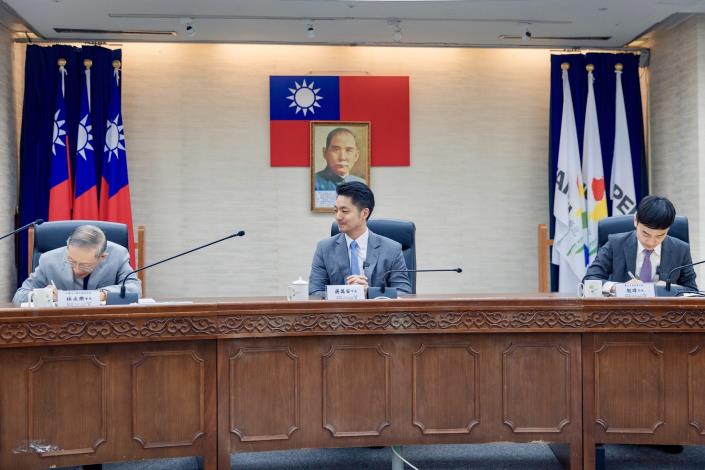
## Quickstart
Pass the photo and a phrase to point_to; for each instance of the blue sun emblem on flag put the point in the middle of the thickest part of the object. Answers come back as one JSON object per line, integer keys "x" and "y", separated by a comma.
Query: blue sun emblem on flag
{"x": 59, "y": 132}
{"x": 304, "y": 97}
{"x": 84, "y": 137}
{"x": 114, "y": 138}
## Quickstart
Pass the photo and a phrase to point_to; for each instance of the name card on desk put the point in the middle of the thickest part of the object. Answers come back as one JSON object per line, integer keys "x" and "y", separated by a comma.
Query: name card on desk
{"x": 636, "y": 290}
{"x": 345, "y": 292}
{"x": 78, "y": 298}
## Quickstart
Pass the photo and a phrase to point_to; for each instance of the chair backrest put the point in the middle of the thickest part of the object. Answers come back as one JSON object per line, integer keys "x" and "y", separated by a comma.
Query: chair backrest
{"x": 401, "y": 231}
{"x": 625, "y": 223}
{"x": 51, "y": 235}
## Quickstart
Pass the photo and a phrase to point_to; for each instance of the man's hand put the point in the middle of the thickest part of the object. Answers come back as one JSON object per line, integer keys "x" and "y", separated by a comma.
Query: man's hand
{"x": 54, "y": 293}
{"x": 360, "y": 279}
{"x": 633, "y": 281}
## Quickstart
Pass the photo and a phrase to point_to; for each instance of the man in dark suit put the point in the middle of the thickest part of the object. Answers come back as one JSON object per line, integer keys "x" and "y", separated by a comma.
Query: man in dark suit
{"x": 646, "y": 254}
{"x": 356, "y": 255}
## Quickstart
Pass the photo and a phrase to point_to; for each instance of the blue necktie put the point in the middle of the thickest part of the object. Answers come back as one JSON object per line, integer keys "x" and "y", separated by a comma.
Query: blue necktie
{"x": 354, "y": 264}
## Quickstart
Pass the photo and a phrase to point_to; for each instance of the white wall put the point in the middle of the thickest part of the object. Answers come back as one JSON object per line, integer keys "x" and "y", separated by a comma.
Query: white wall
{"x": 677, "y": 77}
{"x": 8, "y": 163}
{"x": 196, "y": 119}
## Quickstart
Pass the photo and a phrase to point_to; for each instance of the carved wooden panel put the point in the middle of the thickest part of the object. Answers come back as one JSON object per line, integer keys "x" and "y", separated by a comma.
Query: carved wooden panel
{"x": 168, "y": 394}
{"x": 445, "y": 389}
{"x": 356, "y": 395}
{"x": 629, "y": 387}
{"x": 696, "y": 389}
{"x": 66, "y": 403}
{"x": 264, "y": 393}
{"x": 541, "y": 373}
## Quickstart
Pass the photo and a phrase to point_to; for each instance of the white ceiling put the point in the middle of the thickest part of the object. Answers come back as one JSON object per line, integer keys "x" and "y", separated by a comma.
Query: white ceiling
{"x": 439, "y": 23}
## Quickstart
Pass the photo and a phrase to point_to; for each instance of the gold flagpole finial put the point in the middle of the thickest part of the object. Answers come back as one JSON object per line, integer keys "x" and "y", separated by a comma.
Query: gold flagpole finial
{"x": 116, "y": 64}
{"x": 618, "y": 67}
{"x": 61, "y": 62}
{"x": 589, "y": 67}
{"x": 87, "y": 63}
{"x": 565, "y": 66}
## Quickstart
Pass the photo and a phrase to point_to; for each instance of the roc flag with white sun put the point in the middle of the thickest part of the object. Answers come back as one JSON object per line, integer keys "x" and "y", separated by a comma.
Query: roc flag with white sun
{"x": 295, "y": 101}
{"x": 115, "y": 188}
{"x": 85, "y": 202}
{"x": 60, "y": 168}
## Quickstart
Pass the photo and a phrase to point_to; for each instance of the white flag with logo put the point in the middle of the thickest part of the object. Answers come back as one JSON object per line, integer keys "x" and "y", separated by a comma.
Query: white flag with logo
{"x": 593, "y": 175}
{"x": 622, "y": 181}
{"x": 569, "y": 202}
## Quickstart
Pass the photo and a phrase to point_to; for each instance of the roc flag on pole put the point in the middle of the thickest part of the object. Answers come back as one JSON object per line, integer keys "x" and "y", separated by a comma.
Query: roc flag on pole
{"x": 295, "y": 101}
{"x": 569, "y": 250}
{"x": 593, "y": 175}
{"x": 60, "y": 169}
{"x": 622, "y": 180}
{"x": 85, "y": 203}
{"x": 115, "y": 189}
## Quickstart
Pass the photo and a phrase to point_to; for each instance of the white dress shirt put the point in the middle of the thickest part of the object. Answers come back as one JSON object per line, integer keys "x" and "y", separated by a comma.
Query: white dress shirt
{"x": 361, "y": 249}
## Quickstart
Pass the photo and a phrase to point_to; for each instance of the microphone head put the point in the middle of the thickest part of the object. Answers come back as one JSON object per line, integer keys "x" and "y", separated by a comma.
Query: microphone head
{"x": 458, "y": 270}
{"x": 241, "y": 233}
{"x": 39, "y": 222}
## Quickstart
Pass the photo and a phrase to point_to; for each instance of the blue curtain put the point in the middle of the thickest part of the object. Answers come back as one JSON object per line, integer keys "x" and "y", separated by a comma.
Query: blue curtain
{"x": 40, "y": 85}
{"x": 604, "y": 86}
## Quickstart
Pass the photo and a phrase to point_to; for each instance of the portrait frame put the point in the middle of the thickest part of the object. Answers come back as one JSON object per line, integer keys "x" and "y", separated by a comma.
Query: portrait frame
{"x": 324, "y": 179}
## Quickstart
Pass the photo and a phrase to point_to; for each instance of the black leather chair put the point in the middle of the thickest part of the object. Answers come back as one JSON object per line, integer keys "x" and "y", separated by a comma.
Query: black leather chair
{"x": 401, "y": 231}
{"x": 625, "y": 223}
{"x": 51, "y": 235}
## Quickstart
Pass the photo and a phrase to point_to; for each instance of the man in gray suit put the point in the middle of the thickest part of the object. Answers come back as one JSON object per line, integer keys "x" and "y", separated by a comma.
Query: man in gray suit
{"x": 88, "y": 261}
{"x": 356, "y": 255}
{"x": 645, "y": 254}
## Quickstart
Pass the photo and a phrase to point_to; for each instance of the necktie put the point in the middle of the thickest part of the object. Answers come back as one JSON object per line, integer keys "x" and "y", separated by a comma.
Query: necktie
{"x": 354, "y": 264}
{"x": 645, "y": 273}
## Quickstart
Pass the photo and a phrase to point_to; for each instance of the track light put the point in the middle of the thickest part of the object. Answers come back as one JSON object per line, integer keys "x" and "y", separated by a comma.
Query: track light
{"x": 396, "y": 35}
{"x": 526, "y": 36}
{"x": 311, "y": 31}
{"x": 189, "y": 28}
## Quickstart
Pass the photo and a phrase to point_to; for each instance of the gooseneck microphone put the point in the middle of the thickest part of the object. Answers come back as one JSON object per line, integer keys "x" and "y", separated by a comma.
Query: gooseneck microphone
{"x": 374, "y": 292}
{"x": 24, "y": 227}
{"x": 670, "y": 273}
{"x": 241, "y": 233}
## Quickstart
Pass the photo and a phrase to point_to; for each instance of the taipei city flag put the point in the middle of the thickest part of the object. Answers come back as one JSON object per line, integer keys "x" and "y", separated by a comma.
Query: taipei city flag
{"x": 569, "y": 250}
{"x": 295, "y": 101}
{"x": 115, "y": 188}
{"x": 60, "y": 169}
{"x": 622, "y": 180}
{"x": 85, "y": 203}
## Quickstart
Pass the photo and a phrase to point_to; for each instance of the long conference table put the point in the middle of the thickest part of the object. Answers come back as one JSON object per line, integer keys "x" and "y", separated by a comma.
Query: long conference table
{"x": 221, "y": 376}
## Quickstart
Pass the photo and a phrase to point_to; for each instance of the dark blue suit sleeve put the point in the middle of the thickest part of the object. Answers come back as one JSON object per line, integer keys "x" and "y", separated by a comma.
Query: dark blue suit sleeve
{"x": 602, "y": 266}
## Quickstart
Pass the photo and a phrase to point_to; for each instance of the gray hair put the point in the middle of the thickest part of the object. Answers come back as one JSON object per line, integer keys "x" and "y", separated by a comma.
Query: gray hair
{"x": 88, "y": 236}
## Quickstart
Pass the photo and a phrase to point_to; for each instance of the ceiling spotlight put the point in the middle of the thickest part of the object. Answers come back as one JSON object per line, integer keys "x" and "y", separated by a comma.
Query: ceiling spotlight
{"x": 397, "y": 35}
{"x": 311, "y": 31}
{"x": 397, "y": 28}
{"x": 526, "y": 36}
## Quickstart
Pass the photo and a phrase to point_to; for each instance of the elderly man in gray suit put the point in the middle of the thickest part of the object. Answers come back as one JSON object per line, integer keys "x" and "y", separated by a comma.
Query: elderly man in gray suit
{"x": 87, "y": 262}
{"x": 646, "y": 254}
{"x": 356, "y": 255}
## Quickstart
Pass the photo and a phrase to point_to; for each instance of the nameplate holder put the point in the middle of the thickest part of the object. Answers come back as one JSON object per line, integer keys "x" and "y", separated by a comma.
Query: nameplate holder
{"x": 78, "y": 298}
{"x": 345, "y": 292}
{"x": 636, "y": 290}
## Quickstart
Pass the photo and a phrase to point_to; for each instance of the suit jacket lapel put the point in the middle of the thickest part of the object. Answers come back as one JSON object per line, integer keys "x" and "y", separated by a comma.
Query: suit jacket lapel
{"x": 342, "y": 258}
{"x": 630, "y": 253}
{"x": 373, "y": 244}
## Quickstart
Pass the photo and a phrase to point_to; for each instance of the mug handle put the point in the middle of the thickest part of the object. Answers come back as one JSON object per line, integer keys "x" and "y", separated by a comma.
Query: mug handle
{"x": 581, "y": 290}
{"x": 289, "y": 293}
{"x": 30, "y": 298}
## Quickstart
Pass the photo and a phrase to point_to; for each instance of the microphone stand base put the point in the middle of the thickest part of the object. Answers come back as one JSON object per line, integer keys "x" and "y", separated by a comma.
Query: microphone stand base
{"x": 377, "y": 293}
{"x": 114, "y": 298}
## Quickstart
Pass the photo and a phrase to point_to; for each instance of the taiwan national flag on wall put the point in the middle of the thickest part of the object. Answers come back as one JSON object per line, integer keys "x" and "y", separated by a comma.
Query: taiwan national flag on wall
{"x": 85, "y": 203}
{"x": 115, "y": 189}
{"x": 295, "y": 101}
{"x": 60, "y": 198}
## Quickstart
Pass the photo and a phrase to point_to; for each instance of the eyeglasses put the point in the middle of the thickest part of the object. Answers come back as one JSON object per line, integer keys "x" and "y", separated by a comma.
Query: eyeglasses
{"x": 83, "y": 267}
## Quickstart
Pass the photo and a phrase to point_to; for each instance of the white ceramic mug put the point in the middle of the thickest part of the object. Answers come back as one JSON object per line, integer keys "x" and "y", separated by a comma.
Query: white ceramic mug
{"x": 591, "y": 288}
{"x": 42, "y": 297}
{"x": 297, "y": 290}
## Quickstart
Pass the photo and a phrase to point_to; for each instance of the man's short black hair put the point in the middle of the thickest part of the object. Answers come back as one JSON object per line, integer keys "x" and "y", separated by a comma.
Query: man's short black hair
{"x": 359, "y": 193}
{"x": 656, "y": 212}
